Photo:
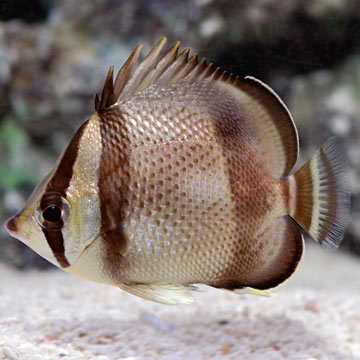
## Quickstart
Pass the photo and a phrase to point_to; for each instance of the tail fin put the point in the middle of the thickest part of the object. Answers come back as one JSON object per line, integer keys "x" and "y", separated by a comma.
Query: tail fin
{"x": 322, "y": 202}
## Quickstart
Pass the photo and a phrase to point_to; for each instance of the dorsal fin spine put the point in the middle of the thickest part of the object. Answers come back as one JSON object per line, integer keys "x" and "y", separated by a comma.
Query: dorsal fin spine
{"x": 125, "y": 72}
{"x": 108, "y": 89}
{"x": 164, "y": 63}
{"x": 97, "y": 102}
{"x": 149, "y": 62}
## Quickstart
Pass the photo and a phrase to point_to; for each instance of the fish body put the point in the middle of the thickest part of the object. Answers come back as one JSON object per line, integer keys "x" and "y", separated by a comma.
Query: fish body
{"x": 183, "y": 176}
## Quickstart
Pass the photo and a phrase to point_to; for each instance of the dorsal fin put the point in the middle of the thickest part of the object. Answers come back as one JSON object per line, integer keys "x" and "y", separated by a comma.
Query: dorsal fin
{"x": 169, "y": 69}
{"x": 268, "y": 113}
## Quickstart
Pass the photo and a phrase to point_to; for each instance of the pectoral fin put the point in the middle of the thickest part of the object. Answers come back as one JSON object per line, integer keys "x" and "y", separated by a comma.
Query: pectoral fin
{"x": 170, "y": 294}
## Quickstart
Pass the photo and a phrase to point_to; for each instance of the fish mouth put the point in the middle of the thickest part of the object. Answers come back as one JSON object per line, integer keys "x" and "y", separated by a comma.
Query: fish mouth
{"x": 11, "y": 226}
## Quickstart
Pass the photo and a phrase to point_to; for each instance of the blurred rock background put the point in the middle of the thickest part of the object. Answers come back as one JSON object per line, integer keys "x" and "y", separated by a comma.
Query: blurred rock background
{"x": 54, "y": 55}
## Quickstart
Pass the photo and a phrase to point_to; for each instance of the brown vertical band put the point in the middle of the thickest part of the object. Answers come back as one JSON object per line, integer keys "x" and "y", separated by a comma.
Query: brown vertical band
{"x": 304, "y": 209}
{"x": 59, "y": 184}
{"x": 60, "y": 181}
{"x": 112, "y": 193}
{"x": 56, "y": 243}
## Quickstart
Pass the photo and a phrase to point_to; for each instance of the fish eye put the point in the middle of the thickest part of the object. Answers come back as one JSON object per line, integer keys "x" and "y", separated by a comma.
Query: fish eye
{"x": 52, "y": 211}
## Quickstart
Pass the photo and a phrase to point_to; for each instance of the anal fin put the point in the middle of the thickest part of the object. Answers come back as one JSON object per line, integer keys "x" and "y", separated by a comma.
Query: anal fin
{"x": 170, "y": 294}
{"x": 251, "y": 291}
{"x": 244, "y": 290}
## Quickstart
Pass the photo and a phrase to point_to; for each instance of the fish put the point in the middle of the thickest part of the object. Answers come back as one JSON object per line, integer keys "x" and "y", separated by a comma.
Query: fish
{"x": 184, "y": 175}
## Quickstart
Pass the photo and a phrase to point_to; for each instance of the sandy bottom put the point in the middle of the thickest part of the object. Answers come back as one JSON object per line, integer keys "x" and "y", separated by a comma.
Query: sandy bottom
{"x": 56, "y": 316}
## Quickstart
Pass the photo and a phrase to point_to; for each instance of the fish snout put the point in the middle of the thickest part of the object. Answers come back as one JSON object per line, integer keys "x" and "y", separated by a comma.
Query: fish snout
{"x": 11, "y": 225}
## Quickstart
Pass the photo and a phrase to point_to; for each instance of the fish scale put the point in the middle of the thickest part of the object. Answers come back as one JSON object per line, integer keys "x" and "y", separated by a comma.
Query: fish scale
{"x": 209, "y": 172}
{"x": 182, "y": 176}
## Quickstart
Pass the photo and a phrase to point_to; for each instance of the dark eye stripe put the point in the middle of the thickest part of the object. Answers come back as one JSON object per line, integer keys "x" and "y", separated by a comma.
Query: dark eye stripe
{"x": 59, "y": 184}
{"x": 56, "y": 243}
{"x": 60, "y": 181}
